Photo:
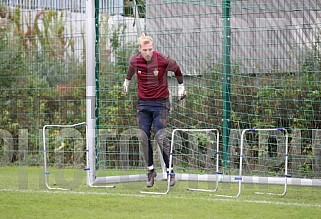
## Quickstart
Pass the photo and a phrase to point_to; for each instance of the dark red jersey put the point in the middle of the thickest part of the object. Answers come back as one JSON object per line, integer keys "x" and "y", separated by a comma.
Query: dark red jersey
{"x": 152, "y": 75}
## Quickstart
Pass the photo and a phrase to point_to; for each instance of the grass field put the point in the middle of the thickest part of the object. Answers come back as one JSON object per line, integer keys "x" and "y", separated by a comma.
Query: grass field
{"x": 23, "y": 195}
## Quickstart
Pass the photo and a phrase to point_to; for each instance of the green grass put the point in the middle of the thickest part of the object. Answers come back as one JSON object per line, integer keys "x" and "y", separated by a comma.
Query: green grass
{"x": 23, "y": 195}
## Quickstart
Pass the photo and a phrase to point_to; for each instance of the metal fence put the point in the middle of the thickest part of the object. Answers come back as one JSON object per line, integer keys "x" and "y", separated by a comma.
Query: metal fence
{"x": 109, "y": 6}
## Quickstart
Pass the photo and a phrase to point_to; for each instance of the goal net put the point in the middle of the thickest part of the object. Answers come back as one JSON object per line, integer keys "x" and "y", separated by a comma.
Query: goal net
{"x": 246, "y": 65}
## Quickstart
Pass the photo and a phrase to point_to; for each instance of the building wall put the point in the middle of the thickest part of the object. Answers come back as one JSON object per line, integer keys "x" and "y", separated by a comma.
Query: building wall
{"x": 265, "y": 36}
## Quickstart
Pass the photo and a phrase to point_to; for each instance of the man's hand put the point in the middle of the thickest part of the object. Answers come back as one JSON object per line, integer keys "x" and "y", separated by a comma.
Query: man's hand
{"x": 125, "y": 86}
{"x": 181, "y": 91}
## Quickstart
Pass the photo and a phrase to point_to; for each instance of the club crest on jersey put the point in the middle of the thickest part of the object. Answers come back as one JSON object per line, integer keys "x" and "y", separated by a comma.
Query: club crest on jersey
{"x": 139, "y": 72}
{"x": 155, "y": 72}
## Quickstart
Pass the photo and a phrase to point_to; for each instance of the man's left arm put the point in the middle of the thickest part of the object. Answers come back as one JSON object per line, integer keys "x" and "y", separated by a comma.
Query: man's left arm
{"x": 174, "y": 67}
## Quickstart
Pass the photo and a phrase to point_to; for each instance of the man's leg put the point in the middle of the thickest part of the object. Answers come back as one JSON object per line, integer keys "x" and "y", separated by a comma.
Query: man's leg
{"x": 144, "y": 123}
{"x": 160, "y": 124}
{"x": 164, "y": 145}
{"x": 145, "y": 143}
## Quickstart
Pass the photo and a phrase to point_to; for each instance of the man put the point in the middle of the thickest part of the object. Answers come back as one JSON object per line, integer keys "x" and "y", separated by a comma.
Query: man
{"x": 151, "y": 68}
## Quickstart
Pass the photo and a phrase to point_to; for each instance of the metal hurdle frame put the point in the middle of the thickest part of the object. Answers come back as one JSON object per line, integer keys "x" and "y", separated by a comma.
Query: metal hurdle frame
{"x": 239, "y": 178}
{"x": 46, "y": 172}
{"x": 217, "y": 172}
{"x": 171, "y": 162}
{"x": 90, "y": 184}
{"x": 286, "y": 155}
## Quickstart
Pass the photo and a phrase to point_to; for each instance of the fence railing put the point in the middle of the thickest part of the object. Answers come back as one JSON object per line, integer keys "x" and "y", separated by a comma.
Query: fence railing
{"x": 107, "y": 6}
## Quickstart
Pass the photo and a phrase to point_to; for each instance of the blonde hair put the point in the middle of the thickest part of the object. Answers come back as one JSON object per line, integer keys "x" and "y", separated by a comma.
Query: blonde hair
{"x": 143, "y": 39}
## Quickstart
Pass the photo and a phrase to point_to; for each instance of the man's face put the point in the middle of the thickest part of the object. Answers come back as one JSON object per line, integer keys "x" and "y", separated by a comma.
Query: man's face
{"x": 146, "y": 51}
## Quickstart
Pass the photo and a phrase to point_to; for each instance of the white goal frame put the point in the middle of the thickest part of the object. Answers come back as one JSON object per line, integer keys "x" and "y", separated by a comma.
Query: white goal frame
{"x": 92, "y": 179}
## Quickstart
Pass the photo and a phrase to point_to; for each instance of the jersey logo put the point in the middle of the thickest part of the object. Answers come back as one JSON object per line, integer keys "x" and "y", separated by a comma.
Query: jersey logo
{"x": 139, "y": 72}
{"x": 155, "y": 72}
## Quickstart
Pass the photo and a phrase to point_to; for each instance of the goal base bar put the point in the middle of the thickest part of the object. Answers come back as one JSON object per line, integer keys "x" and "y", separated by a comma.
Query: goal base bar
{"x": 211, "y": 178}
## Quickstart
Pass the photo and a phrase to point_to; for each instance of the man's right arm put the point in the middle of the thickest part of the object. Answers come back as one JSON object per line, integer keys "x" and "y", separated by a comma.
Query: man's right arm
{"x": 129, "y": 75}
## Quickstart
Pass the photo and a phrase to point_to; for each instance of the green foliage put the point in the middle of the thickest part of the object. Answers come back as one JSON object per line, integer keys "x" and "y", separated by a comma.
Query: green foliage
{"x": 129, "y": 10}
{"x": 312, "y": 60}
{"x": 42, "y": 77}
{"x": 11, "y": 62}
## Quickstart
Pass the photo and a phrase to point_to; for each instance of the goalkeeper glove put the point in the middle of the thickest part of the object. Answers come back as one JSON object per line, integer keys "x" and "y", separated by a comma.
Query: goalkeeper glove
{"x": 181, "y": 91}
{"x": 125, "y": 86}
